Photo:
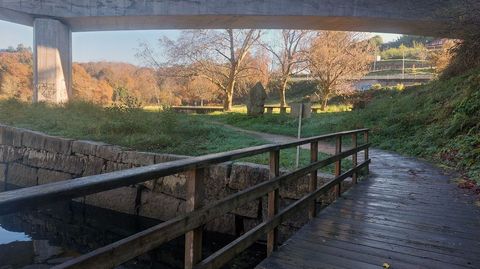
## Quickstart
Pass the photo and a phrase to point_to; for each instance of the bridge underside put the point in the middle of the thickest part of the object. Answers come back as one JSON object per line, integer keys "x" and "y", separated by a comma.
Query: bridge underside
{"x": 408, "y": 17}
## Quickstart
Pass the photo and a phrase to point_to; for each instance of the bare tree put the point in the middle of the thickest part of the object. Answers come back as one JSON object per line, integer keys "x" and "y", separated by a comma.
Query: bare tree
{"x": 216, "y": 55}
{"x": 289, "y": 57}
{"x": 336, "y": 59}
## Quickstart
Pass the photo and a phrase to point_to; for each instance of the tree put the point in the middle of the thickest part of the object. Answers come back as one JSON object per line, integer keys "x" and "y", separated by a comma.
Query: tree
{"x": 336, "y": 59}
{"x": 288, "y": 57}
{"x": 216, "y": 55}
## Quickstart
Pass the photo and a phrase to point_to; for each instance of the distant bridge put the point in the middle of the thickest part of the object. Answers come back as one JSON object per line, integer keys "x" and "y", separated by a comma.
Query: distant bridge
{"x": 54, "y": 21}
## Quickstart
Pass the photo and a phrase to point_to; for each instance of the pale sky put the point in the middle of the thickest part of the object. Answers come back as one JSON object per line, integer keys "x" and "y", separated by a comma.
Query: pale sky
{"x": 117, "y": 46}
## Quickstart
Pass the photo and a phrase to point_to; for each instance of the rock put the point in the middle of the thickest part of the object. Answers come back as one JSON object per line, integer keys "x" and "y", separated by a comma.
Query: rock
{"x": 138, "y": 158}
{"x": 58, "y": 145}
{"x": 49, "y": 176}
{"x": 3, "y": 175}
{"x": 10, "y": 154}
{"x": 108, "y": 152}
{"x": 245, "y": 175}
{"x": 224, "y": 224}
{"x": 163, "y": 158}
{"x": 256, "y": 102}
{"x": 21, "y": 175}
{"x": 296, "y": 107}
{"x": 33, "y": 140}
{"x": 114, "y": 166}
{"x": 11, "y": 136}
{"x": 161, "y": 206}
{"x": 93, "y": 166}
{"x": 86, "y": 147}
{"x": 120, "y": 199}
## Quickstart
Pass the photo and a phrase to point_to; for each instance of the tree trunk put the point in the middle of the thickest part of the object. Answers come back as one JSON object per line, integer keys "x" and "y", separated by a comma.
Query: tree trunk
{"x": 228, "y": 102}
{"x": 323, "y": 107}
{"x": 282, "y": 90}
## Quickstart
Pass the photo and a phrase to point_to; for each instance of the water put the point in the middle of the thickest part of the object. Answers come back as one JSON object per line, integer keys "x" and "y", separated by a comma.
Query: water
{"x": 49, "y": 236}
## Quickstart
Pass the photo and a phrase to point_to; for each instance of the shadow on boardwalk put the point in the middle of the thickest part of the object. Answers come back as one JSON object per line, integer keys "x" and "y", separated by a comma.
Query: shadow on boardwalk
{"x": 407, "y": 214}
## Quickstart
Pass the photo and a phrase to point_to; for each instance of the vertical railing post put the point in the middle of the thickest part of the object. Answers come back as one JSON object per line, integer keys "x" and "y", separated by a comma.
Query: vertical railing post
{"x": 273, "y": 201}
{"x": 338, "y": 164}
{"x": 312, "y": 186}
{"x": 354, "y": 157}
{"x": 195, "y": 197}
{"x": 366, "y": 151}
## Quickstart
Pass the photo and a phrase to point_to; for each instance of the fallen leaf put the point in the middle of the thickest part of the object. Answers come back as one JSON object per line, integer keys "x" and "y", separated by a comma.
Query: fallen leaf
{"x": 386, "y": 265}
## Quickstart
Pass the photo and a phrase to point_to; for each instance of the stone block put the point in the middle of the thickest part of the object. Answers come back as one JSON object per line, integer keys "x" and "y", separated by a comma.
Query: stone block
{"x": 48, "y": 176}
{"x": 109, "y": 152}
{"x": 245, "y": 175}
{"x": 33, "y": 140}
{"x": 114, "y": 166}
{"x": 138, "y": 158}
{"x": 69, "y": 164}
{"x": 216, "y": 180}
{"x": 120, "y": 199}
{"x": 3, "y": 173}
{"x": 93, "y": 166}
{"x": 58, "y": 145}
{"x": 21, "y": 175}
{"x": 251, "y": 209}
{"x": 10, "y": 153}
{"x": 173, "y": 185}
{"x": 163, "y": 158}
{"x": 86, "y": 147}
{"x": 11, "y": 136}
{"x": 296, "y": 189}
{"x": 161, "y": 206}
{"x": 39, "y": 158}
{"x": 224, "y": 224}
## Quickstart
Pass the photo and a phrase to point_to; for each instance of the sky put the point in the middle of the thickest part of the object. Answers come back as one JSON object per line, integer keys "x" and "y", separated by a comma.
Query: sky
{"x": 116, "y": 46}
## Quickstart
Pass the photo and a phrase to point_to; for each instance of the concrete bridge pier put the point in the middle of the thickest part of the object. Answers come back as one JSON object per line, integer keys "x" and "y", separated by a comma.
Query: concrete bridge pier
{"x": 52, "y": 61}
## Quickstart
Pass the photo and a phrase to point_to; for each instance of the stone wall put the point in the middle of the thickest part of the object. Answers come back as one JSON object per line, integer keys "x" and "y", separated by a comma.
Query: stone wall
{"x": 29, "y": 158}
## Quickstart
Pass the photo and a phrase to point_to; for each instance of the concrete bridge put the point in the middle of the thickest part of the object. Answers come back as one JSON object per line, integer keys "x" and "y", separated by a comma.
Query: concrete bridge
{"x": 54, "y": 21}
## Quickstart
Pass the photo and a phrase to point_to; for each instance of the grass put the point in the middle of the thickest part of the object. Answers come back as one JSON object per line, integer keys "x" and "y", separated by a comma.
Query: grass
{"x": 439, "y": 121}
{"x": 146, "y": 130}
{"x": 164, "y": 132}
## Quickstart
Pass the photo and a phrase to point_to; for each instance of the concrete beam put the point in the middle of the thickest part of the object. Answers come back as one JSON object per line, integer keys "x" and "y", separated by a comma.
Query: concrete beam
{"x": 16, "y": 17}
{"x": 426, "y": 17}
{"x": 52, "y": 67}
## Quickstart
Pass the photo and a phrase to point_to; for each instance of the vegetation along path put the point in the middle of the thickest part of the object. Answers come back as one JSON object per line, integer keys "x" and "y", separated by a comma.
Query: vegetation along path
{"x": 407, "y": 214}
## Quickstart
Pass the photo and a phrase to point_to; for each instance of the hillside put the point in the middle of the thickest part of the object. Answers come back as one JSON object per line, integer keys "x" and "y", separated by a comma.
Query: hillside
{"x": 439, "y": 121}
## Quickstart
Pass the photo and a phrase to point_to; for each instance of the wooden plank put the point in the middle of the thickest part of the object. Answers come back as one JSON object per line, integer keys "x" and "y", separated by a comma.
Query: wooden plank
{"x": 195, "y": 198}
{"x": 366, "y": 150}
{"x": 312, "y": 186}
{"x": 32, "y": 197}
{"x": 354, "y": 157}
{"x": 137, "y": 244}
{"x": 217, "y": 259}
{"x": 273, "y": 202}
{"x": 338, "y": 164}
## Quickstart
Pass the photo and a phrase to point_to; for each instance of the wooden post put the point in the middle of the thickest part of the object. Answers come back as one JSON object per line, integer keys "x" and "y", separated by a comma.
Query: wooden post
{"x": 366, "y": 152}
{"x": 273, "y": 201}
{"x": 283, "y": 110}
{"x": 354, "y": 157}
{"x": 338, "y": 164}
{"x": 195, "y": 196}
{"x": 269, "y": 110}
{"x": 312, "y": 186}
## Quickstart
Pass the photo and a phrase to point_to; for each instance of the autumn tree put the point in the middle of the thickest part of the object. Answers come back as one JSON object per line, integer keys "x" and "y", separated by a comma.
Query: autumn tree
{"x": 335, "y": 60}
{"x": 216, "y": 55}
{"x": 289, "y": 56}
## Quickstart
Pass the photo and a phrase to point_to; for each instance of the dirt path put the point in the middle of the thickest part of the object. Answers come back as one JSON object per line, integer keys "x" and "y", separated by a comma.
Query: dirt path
{"x": 279, "y": 139}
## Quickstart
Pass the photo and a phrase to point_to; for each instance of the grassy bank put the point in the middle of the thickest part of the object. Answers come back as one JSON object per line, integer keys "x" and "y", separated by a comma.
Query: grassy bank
{"x": 439, "y": 121}
{"x": 163, "y": 132}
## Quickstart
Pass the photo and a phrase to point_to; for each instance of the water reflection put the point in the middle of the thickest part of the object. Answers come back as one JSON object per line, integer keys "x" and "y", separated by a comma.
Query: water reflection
{"x": 50, "y": 236}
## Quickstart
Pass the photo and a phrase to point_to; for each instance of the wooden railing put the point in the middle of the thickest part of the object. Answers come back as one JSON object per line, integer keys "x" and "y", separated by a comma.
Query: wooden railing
{"x": 190, "y": 224}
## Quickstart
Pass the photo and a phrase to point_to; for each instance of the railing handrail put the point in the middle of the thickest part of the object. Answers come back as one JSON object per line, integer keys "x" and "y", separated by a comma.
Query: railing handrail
{"x": 197, "y": 214}
{"x": 137, "y": 244}
{"x": 16, "y": 200}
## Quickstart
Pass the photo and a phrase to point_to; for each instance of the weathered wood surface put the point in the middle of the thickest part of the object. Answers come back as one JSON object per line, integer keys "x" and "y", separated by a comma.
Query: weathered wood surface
{"x": 32, "y": 197}
{"x": 407, "y": 214}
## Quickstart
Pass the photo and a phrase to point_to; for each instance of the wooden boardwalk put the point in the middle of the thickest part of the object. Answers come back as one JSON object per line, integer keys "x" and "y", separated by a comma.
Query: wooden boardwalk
{"x": 407, "y": 214}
